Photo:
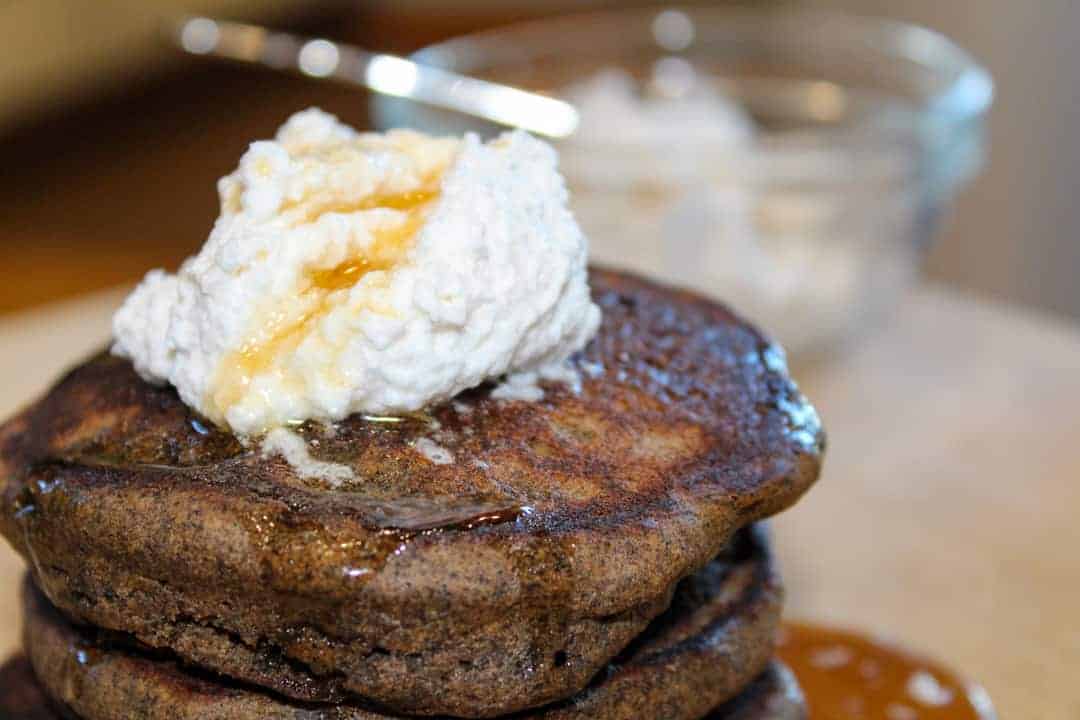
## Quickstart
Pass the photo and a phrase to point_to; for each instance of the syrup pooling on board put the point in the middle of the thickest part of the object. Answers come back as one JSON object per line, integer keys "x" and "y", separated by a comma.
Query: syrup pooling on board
{"x": 850, "y": 677}
{"x": 282, "y": 332}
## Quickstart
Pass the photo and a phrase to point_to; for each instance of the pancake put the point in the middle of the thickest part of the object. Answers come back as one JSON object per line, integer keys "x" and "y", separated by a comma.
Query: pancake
{"x": 503, "y": 580}
{"x": 21, "y": 698}
{"x": 774, "y": 695}
{"x": 716, "y": 637}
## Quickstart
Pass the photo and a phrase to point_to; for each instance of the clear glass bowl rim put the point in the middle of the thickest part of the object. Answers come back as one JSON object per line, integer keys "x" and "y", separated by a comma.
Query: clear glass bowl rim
{"x": 966, "y": 93}
{"x": 944, "y": 143}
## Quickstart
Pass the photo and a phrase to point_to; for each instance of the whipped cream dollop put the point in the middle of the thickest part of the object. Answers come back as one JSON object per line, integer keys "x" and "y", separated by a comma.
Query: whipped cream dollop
{"x": 366, "y": 273}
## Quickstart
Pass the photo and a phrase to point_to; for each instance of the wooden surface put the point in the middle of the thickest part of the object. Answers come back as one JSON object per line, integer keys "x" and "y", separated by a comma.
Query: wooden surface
{"x": 947, "y": 517}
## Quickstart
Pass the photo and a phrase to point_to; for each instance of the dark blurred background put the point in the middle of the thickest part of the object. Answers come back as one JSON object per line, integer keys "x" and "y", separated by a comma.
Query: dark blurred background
{"x": 112, "y": 143}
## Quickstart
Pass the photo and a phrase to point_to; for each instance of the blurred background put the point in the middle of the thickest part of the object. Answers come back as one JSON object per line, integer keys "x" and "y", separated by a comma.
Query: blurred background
{"x": 112, "y": 141}
{"x": 811, "y": 170}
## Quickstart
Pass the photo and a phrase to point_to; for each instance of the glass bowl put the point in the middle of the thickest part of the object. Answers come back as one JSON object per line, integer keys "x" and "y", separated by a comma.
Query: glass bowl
{"x": 806, "y": 187}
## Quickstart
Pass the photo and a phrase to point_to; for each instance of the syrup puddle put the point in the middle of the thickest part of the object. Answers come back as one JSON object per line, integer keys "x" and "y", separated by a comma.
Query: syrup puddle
{"x": 846, "y": 676}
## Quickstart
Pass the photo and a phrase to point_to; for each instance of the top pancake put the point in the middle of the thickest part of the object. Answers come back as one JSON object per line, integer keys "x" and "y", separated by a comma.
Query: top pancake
{"x": 501, "y": 580}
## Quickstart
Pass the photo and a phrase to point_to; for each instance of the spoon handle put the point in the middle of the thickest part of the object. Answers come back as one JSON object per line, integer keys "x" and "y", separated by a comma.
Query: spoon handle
{"x": 380, "y": 72}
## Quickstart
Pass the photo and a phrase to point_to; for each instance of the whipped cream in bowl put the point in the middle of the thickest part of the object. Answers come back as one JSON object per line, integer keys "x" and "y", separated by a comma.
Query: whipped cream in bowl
{"x": 366, "y": 273}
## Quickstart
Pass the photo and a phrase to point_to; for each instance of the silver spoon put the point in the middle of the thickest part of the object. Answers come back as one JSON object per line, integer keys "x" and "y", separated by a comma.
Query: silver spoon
{"x": 386, "y": 74}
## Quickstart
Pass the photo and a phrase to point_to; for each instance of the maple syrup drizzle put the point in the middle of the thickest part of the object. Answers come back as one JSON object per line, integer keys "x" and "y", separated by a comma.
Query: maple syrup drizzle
{"x": 281, "y": 332}
{"x": 847, "y": 676}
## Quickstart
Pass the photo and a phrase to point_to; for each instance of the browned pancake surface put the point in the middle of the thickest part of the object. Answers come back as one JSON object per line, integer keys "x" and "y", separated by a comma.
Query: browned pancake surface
{"x": 774, "y": 695}
{"x": 503, "y": 580}
{"x": 21, "y": 698}
{"x": 716, "y": 637}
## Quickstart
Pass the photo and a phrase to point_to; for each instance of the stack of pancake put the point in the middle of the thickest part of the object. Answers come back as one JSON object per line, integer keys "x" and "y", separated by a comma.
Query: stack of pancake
{"x": 594, "y": 554}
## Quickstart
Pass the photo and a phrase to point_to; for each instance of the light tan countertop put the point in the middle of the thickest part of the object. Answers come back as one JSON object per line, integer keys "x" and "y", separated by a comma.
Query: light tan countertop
{"x": 948, "y": 516}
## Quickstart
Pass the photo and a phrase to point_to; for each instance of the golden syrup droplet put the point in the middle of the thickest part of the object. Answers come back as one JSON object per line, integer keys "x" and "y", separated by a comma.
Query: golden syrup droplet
{"x": 281, "y": 333}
